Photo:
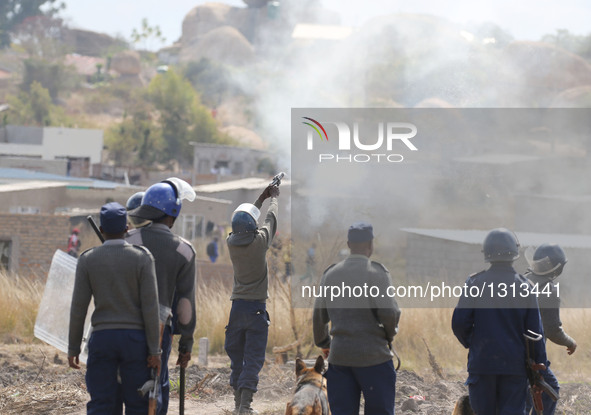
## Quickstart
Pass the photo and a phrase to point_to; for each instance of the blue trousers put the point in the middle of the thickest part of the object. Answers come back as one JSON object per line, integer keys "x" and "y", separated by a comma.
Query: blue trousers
{"x": 345, "y": 385}
{"x": 497, "y": 394}
{"x": 549, "y": 404}
{"x": 107, "y": 351}
{"x": 246, "y": 341}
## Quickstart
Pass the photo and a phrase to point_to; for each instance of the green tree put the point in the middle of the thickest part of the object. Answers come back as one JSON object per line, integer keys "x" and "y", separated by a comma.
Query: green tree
{"x": 580, "y": 45}
{"x": 213, "y": 80}
{"x": 53, "y": 76}
{"x": 35, "y": 108}
{"x": 146, "y": 34}
{"x": 182, "y": 116}
{"x": 14, "y": 12}
{"x": 136, "y": 141}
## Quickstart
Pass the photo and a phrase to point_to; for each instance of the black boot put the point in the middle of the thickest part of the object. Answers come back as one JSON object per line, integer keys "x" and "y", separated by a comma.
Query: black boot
{"x": 245, "y": 401}
{"x": 237, "y": 395}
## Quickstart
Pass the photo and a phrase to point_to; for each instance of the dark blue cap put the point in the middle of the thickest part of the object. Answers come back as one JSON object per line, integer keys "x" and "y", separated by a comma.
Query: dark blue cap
{"x": 113, "y": 218}
{"x": 360, "y": 232}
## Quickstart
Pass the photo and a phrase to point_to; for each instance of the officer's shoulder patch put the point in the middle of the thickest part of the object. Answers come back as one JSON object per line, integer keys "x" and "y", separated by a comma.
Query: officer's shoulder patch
{"x": 379, "y": 266}
{"x": 327, "y": 269}
{"x": 87, "y": 251}
{"x": 134, "y": 236}
{"x": 185, "y": 249}
{"x": 477, "y": 273}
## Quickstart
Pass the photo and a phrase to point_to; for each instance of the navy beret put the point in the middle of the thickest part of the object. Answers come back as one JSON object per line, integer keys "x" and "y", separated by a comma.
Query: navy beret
{"x": 360, "y": 232}
{"x": 113, "y": 218}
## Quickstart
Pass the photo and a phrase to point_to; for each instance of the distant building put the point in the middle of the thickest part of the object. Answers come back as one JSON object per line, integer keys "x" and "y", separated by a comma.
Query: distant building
{"x": 210, "y": 161}
{"x": 246, "y": 191}
{"x": 65, "y": 151}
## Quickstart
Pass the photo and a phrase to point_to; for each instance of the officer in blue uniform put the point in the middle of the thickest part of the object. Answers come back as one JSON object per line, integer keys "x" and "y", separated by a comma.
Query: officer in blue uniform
{"x": 492, "y": 326}
{"x": 547, "y": 264}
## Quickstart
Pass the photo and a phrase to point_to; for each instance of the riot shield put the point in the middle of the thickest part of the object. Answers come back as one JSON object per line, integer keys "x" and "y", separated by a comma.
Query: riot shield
{"x": 53, "y": 317}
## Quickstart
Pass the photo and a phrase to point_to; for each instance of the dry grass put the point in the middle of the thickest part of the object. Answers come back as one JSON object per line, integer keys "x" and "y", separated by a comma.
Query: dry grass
{"x": 19, "y": 302}
{"x": 20, "y": 299}
{"x": 213, "y": 309}
{"x": 434, "y": 325}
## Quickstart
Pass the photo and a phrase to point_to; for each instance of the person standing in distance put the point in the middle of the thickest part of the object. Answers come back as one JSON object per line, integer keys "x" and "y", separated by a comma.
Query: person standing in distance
{"x": 358, "y": 344}
{"x": 175, "y": 270}
{"x": 122, "y": 279}
{"x": 248, "y": 325}
{"x": 547, "y": 264}
{"x": 491, "y": 327}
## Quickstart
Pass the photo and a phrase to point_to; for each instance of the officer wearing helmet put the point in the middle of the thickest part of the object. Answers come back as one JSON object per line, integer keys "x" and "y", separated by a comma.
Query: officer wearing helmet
{"x": 492, "y": 325}
{"x": 175, "y": 270}
{"x": 248, "y": 325}
{"x": 135, "y": 202}
{"x": 546, "y": 265}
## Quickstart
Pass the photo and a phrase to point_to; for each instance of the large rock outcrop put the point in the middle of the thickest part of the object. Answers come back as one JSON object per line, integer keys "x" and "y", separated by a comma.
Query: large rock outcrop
{"x": 223, "y": 44}
{"x": 540, "y": 71}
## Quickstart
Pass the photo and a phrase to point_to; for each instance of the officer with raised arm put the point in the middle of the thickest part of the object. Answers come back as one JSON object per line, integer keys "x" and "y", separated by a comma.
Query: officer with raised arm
{"x": 546, "y": 265}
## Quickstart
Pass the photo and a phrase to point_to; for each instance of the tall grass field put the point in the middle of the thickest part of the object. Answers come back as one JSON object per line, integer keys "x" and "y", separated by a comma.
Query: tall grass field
{"x": 422, "y": 331}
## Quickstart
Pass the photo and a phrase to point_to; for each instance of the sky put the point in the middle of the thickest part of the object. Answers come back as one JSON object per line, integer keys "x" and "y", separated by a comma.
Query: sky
{"x": 524, "y": 19}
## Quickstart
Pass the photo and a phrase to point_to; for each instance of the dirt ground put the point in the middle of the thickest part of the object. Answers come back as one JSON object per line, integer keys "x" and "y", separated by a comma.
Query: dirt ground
{"x": 35, "y": 379}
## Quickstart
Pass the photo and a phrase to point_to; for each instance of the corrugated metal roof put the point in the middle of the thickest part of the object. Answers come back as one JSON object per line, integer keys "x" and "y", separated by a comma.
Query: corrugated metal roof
{"x": 250, "y": 183}
{"x": 562, "y": 198}
{"x": 497, "y": 159}
{"x": 476, "y": 237}
{"x": 7, "y": 173}
{"x": 213, "y": 199}
{"x": 33, "y": 185}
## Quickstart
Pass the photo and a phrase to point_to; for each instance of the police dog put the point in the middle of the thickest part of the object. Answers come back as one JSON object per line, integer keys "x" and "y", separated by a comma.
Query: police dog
{"x": 463, "y": 406}
{"x": 310, "y": 395}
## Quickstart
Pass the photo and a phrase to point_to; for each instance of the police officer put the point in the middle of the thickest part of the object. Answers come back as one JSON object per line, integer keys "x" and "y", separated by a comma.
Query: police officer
{"x": 492, "y": 326}
{"x": 362, "y": 329}
{"x": 175, "y": 270}
{"x": 248, "y": 325}
{"x": 122, "y": 279}
{"x": 548, "y": 263}
{"x": 132, "y": 203}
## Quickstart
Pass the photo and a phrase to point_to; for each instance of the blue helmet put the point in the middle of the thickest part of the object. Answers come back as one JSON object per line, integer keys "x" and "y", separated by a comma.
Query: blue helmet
{"x": 160, "y": 199}
{"x": 244, "y": 224}
{"x": 549, "y": 259}
{"x": 500, "y": 245}
{"x": 134, "y": 201}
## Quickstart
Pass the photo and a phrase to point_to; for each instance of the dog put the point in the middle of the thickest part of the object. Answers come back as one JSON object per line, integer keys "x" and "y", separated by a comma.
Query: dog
{"x": 310, "y": 396}
{"x": 463, "y": 406}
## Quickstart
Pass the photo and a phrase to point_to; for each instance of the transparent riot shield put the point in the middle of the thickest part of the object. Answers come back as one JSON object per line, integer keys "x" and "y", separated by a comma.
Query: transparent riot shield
{"x": 53, "y": 317}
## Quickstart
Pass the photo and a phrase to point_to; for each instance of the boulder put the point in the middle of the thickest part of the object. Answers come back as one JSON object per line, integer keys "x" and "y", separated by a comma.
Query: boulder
{"x": 224, "y": 44}
{"x": 126, "y": 63}
{"x": 201, "y": 20}
{"x": 579, "y": 97}
{"x": 542, "y": 70}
